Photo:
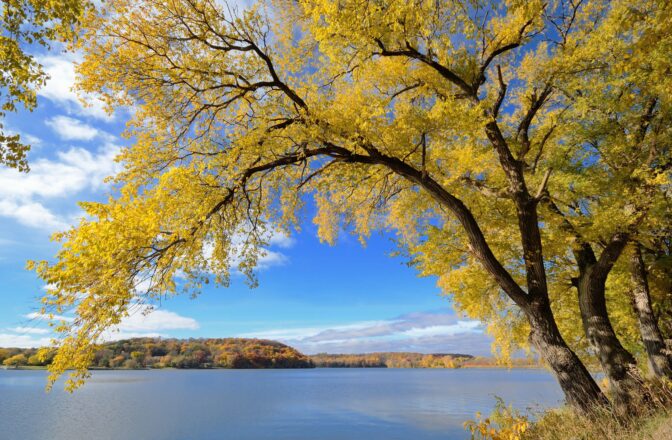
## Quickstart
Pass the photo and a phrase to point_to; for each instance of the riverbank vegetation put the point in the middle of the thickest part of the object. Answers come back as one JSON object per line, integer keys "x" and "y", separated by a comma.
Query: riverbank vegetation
{"x": 389, "y": 360}
{"x": 646, "y": 419}
{"x": 416, "y": 360}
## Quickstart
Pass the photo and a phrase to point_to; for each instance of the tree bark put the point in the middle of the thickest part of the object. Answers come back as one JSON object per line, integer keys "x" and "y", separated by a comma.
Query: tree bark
{"x": 617, "y": 363}
{"x": 579, "y": 387}
{"x": 660, "y": 362}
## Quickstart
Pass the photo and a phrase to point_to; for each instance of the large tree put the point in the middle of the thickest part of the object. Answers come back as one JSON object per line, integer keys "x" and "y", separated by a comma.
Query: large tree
{"x": 467, "y": 127}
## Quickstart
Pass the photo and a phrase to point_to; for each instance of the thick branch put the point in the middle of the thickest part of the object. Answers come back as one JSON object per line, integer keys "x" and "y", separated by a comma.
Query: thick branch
{"x": 477, "y": 241}
{"x": 444, "y": 71}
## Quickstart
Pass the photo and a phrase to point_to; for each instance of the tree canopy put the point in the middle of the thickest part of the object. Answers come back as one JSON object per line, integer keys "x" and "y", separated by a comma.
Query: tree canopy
{"x": 515, "y": 147}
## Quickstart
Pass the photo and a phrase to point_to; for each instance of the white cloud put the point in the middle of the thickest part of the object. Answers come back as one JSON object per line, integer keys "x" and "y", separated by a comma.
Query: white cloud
{"x": 271, "y": 258}
{"x": 437, "y": 330}
{"x": 73, "y": 170}
{"x": 33, "y": 141}
{"x": 147, "y": 323}
{"x": 23, "y": 195}
{"x": 118, "y": 336}
{"x": 141, "y": 319}
{"x": 8, "y": 340}
{"x": 267, "y": 258}
{"x": 32, "y": 214}
{"x": 425, "y": 332}
{"x": 280, "y": 239}
{"x": 30, "y": 330}
{"x": 155, "y": 320}
{"x": 43, "y": 317}
{"x": 142, "y": 323}
{"x": 303, "y": 333}
{"x": 72, "y": 129}
{"x": 59, "y": 88}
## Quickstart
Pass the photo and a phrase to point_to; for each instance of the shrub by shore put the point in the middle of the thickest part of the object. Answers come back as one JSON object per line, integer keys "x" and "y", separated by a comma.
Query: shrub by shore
{"x": 649, "y": 418}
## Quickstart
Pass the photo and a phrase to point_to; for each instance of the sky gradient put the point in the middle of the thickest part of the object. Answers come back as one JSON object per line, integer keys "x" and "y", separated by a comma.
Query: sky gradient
{"x": 341, "y": 299}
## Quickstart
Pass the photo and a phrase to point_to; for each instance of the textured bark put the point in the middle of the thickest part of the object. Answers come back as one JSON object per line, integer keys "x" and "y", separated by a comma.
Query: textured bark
{"x": 579, "y": 387}
{"x": 617, "y": 363}
{"x": 660, "y": 362}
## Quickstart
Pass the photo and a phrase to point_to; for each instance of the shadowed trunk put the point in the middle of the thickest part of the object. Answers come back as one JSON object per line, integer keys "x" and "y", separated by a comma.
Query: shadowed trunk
{"x": 579, "y": 387}
{"x": 659, "y": 362}
{"x": 617, "y": 363}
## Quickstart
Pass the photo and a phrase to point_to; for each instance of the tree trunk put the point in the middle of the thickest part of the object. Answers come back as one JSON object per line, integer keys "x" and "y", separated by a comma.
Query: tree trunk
{"x": 659, "y": 362}
{"x": 579, "y": 387}
{"x": 617, "y": 363}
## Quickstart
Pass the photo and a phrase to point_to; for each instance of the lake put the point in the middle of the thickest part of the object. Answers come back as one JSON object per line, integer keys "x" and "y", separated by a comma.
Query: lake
{"x": 310, "y": 404}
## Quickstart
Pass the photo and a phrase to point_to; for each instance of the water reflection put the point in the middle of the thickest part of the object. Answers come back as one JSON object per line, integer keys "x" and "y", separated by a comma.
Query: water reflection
{"x": 325, "y": 404}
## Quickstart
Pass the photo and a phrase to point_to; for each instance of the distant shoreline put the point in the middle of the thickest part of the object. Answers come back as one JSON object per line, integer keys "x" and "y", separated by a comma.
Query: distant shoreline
{"x": 243, "y": 353}
{"x": 467, "y": 367}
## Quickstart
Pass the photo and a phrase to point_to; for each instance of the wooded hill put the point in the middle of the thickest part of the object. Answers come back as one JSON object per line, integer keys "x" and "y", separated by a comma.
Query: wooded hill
{"x": 176, "y": 353}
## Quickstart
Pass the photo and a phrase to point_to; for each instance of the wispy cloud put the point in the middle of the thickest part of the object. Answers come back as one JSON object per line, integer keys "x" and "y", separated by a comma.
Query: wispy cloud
{"x": 30, "y": 330}
{"x": 267, "y": 258}
{"x": 46, "y": 318}
{"x": 68, "y": 128}
{"x": 144, "y": 320}
{"x": 22, "y": 341}
{"x": 426, "y": 332}
{"x": 59, "y": 87}
{"x": 24, "y": 197}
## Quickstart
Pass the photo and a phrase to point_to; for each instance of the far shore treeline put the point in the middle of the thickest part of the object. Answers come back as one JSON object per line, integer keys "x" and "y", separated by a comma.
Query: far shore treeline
{"x": 239, "y": 353}
{"x": 176, "y": 353}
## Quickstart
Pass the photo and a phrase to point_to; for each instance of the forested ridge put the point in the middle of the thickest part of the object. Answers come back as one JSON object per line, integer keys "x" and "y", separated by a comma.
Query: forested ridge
{"x": 176, "y": 353}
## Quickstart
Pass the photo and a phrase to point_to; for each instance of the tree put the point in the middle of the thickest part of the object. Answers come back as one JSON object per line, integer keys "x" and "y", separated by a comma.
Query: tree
{"x": 660, "y": 361}
{"x": 26, "y": 23}
{"x": 16, "y": 360}
{"x": 467, "y": 128}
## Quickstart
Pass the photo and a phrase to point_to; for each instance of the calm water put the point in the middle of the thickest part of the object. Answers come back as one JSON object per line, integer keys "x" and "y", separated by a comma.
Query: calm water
{"x": 319, "y": 404}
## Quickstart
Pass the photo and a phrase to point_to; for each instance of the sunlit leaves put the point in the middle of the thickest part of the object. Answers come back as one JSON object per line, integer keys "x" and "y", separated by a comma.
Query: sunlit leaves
{"x": 240, "y": 118}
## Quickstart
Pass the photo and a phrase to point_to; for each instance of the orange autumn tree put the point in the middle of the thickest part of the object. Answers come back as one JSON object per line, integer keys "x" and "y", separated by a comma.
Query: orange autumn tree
{"x": 466, "y": 127}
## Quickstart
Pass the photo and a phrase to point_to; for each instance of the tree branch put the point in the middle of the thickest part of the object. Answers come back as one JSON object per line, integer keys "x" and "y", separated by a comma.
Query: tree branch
{"x": 413, "y": 53}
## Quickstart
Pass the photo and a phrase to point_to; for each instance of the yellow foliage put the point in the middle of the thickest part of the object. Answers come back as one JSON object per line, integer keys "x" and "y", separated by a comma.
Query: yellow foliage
{"x": 385, "y": 114}
{"x": 505, "y": 423}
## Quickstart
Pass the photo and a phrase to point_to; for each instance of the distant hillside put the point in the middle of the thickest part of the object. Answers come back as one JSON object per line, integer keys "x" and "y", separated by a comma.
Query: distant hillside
{"x": 179, "y": 353}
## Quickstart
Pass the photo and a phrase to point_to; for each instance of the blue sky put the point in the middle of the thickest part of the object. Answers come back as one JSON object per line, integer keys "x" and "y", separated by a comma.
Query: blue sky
{"x": 341, "y": 299}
